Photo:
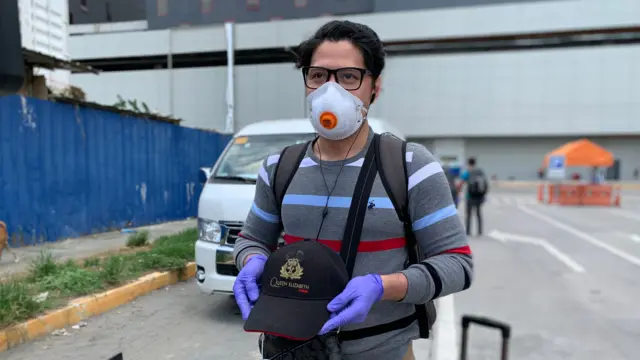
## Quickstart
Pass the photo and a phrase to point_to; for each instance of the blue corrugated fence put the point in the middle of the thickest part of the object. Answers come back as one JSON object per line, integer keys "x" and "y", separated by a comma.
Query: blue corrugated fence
{"x": 67, "y": 171}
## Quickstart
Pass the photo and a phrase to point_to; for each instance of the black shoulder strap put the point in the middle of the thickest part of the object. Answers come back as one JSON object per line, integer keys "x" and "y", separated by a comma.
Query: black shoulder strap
{"x": 290, "y": 159}
{"x": 359, "y": 201}
{"x": 392, "y": 166}
{"x": 385, "y": 156}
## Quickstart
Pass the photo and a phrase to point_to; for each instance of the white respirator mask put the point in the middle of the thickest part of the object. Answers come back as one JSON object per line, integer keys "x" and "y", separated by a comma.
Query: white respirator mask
{"x": 336, "y": 114}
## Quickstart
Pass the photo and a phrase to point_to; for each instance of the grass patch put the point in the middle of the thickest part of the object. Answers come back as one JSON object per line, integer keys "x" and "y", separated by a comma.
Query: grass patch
{"x": 50, "y": 283}
{"x": 140, "y": 238}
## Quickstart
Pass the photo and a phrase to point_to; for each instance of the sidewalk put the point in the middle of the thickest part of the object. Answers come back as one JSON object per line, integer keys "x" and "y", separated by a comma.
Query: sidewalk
{"x": 86, "y": 246}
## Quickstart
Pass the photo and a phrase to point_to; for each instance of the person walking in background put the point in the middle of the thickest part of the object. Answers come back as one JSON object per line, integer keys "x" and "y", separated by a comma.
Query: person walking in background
{"x": 477, "y": 187}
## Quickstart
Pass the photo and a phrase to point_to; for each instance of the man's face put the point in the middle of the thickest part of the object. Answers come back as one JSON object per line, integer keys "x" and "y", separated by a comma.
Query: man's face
{"x": 341, "y": 54}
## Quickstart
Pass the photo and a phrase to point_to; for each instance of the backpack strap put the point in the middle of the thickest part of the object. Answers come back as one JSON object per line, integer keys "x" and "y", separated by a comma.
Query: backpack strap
{"x": 358, "y": 209}
{"x": 392, "y": 166}
{"x": 288, "y": 164}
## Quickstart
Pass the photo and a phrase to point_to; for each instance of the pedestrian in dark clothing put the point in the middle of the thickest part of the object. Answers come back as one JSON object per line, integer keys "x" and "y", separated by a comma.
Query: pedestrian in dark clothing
{"x": 452, "y": 184}
{"x": 477, "y": 187}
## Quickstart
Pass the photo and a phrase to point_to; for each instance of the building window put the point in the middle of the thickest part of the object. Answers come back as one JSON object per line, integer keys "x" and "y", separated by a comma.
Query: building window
{"x": 253, "y": 4}
{"x": 163, "y": 7}
{"x": 70, "y": 18}
{"x": 108, "y": 11}
{"x": 84, "y": 5}
{"x": 206, "y": 6}
{"x": 300, "y": 3}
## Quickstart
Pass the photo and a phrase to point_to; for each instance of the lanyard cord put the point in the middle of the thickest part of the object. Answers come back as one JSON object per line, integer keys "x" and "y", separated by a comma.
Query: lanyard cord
{"x": 325, "y": 211}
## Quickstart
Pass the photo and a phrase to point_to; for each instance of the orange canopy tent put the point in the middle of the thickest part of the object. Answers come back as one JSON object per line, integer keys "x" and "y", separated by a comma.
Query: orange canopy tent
{"x": 582, "y": 153}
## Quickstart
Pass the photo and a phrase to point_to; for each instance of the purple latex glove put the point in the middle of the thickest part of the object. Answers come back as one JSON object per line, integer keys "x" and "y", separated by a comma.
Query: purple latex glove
{"x": 245, "y": 288}
{"x": 354, "y": 302}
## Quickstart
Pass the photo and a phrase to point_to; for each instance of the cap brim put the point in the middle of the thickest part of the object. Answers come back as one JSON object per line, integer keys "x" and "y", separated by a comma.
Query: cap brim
{"x": 289, "y": 318}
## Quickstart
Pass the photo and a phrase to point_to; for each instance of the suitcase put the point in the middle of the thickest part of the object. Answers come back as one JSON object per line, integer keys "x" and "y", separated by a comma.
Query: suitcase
{"x": 505, "y": 331}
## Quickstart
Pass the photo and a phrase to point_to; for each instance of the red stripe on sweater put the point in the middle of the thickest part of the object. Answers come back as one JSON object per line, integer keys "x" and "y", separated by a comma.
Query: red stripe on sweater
{"x": 465, "y": 250}
{"x": 364, "y": 246}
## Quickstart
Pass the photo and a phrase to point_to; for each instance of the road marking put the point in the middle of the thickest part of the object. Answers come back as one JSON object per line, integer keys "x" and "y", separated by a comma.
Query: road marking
{"x": 624, "y": 213}
{"x": 445, "y": 344}
{"x": 586, "y": 237}
{"x": 552, "y": 250}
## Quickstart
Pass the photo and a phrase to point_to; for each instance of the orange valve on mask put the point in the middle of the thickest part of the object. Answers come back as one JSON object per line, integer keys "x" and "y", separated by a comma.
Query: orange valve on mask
{"x": 328, "y": 120}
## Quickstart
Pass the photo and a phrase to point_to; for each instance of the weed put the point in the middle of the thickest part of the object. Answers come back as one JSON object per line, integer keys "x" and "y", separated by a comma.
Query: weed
{"x": 17, "y": 303}
{"x": 91, "y": 262}
{"x": 72, "y": 281}
{"x": 112, "y": 271}
{"x": 62, "y": 280}
{"x": 146, "y": 261}
{"x": 44, "y": 265}
{"x": 181, "y": 245}
{"x": 140, "y": 238}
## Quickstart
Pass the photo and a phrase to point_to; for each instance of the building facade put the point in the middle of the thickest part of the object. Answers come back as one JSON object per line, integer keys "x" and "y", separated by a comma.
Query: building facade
{"x": 162, "y": 14}
{"x": 106, "y": 11}
{"x": 44, "y": 28}
{"x": 525, "y": 83}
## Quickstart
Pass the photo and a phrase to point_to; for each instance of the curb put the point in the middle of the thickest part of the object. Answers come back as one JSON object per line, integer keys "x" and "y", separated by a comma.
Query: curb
{"x": 89, "y": 306}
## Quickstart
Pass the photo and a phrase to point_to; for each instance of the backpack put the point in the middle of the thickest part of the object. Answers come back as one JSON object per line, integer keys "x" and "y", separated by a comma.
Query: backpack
{"x": 390, "y": 158}
{"x": 478, "y": 186}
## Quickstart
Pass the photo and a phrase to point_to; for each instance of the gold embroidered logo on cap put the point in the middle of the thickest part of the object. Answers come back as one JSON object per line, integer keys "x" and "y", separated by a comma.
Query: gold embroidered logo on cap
{"x": 292, "y": 269}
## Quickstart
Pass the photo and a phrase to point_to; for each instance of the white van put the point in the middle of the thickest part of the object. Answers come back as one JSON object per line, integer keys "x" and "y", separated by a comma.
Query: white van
{"x": 228, "y": 194}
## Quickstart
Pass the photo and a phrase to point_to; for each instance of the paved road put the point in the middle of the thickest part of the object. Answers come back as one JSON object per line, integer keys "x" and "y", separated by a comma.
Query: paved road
{"x": 174, "y": 323}
{"x": 557, "y": 312}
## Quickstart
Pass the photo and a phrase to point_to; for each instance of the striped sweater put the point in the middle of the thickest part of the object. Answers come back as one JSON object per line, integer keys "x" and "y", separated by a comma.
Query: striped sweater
{"x": 448, "y": 266}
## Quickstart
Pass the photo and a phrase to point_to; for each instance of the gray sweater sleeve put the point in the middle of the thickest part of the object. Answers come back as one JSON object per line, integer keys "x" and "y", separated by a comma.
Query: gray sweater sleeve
{"x": 447, "y": 267}
{"x": 262, "y": 227}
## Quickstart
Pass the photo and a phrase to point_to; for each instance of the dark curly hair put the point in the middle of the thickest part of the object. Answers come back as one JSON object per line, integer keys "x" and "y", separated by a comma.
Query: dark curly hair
{"x": 362, "y": 36}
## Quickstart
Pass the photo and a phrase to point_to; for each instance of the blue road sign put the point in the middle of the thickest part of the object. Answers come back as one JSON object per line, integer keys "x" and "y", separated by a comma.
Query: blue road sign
{"x": 556, "y": 162}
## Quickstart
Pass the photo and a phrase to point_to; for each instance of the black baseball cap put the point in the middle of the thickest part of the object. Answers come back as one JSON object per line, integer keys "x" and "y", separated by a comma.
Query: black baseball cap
{"x": 298, "y": 282}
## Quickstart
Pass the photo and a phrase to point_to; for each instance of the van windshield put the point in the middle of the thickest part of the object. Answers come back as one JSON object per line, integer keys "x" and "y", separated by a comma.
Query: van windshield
{"x": 242, "y": 160}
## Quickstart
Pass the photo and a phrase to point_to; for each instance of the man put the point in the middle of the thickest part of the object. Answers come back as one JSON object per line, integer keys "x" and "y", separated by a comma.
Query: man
{"x": 476, "y": 190}
{"x": 341, "y": 65}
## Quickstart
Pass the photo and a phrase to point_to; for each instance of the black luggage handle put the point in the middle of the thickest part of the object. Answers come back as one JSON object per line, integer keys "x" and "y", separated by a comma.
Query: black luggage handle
{"x": 505, "y": 330}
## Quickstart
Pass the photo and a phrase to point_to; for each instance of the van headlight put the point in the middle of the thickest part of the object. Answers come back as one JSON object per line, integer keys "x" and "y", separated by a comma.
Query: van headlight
{"x": 209, "y": 230}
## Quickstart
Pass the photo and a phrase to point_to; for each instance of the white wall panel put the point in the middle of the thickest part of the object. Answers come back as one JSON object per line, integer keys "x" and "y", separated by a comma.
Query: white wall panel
{"x": 197, "y": 95}
{"x": 543, "y": 92}
{"x": 570, "y": 92}
{"x": 267, "y": 92}
{"x": 521, "y": 158}
{"x": 149, "y": 86}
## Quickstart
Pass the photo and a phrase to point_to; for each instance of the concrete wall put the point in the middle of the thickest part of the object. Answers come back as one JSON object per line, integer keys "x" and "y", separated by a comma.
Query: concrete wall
{"x": 386, "y": 5}
{"x": 164, "y": 14}
{"x": 425, "y": 24}
{"x": 573, "y": 92}
{"x": 521, "y": 158}
{"x": 543, "y": 92}
{"x": 198, "y": 95}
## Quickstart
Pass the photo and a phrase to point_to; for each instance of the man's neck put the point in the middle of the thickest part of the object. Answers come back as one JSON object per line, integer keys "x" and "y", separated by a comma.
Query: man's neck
{"x": 333, "y": 150}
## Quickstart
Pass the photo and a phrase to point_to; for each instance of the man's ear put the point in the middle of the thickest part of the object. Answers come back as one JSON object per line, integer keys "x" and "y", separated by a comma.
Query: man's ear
{"x": 376, "y": 89}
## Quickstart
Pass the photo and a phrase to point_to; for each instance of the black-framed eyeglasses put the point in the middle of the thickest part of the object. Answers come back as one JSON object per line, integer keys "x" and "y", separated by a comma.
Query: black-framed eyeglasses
{"x": 350, "y": 78}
